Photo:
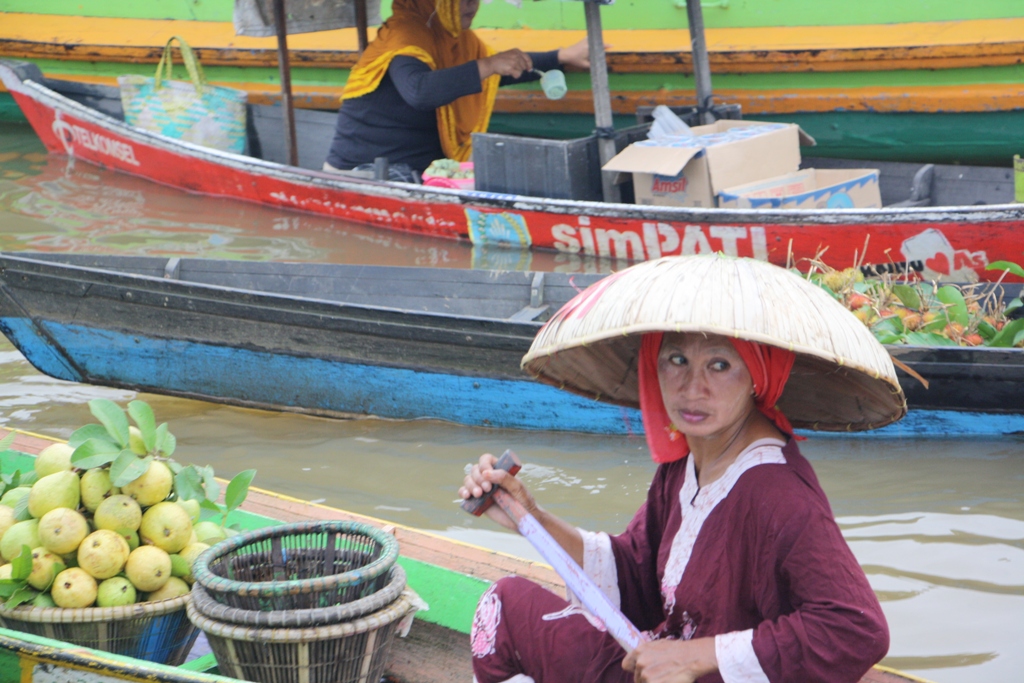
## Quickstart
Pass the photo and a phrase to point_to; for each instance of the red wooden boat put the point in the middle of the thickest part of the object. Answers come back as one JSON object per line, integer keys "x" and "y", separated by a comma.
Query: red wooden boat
{"x": 951, "y": 242}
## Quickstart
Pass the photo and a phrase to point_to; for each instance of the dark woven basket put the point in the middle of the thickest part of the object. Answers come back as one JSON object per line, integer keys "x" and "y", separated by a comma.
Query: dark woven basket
{"x": 351, "y": 652}
{"x": 306, "y": 565}
{"x": 154, "y": 631}
{"x": 300, "y": 618}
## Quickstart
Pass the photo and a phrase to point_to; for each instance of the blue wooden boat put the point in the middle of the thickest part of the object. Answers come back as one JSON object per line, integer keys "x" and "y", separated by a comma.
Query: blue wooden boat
{"x": 402, "y": 343}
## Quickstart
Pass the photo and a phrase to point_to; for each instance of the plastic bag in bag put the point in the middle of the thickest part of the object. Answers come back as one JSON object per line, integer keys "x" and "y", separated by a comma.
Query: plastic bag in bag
{"x": 667, "y": 125}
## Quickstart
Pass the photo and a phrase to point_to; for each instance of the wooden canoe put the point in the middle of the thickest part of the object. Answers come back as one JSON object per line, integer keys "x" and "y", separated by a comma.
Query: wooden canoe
{"x": 952, "y": 241}
{"x": 393, "y": 342}
{"x": 449, "y": 575}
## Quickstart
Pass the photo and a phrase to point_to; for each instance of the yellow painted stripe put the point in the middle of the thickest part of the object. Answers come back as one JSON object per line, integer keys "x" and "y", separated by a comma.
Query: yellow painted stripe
{"x": 910, "y": 99}
{"x": 979, "y": 42}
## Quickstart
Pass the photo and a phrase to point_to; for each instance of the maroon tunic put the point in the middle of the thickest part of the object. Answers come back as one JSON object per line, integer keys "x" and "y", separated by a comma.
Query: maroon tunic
{"x": 767, "y": 556}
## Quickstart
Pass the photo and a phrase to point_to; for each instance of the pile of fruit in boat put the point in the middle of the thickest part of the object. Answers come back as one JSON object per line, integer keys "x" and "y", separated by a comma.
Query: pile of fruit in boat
{"x": 919, "y": 313}
{"x": 449, "y": 168}
{"x": 109, "y": 518}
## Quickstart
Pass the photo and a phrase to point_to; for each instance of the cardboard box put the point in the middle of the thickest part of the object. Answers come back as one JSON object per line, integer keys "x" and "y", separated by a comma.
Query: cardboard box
{"x": 692, "y": 171}
{"x": 811, "y": 188}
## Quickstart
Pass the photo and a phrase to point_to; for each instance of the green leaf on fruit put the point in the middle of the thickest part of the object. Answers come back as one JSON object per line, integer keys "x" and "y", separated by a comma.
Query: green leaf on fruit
{"x": 21, "y": 512}
{"x": 92, "y": 431}
{"x": 890, "y": 325}
{"x": 20, "y": 596}
{"x": 928, "y": 339}
{"x": 128, "y": 467}
{"x": 956, "y": 306}
{"x": 888, "y": 337}
{"x": 188, "y": 484}
{"x": 8, "y": 586}
{"x": 238, "y": 489}
{"x": 208, "y": 504}
{"x": 209, "y": 482}
{"x": 940, "y": 323}
{"x": 165, "y": 441}
{"x": 986, "y": 331}
{"x": 142, "y": 414}
{"x": 21, "y": 565}
{"x": 1011, "y": 267}
{"x": 94, "y": 453}
{"x": 113, "y": 418}
{"x": 908, "y": 296}
{"x": 1007, "y": 336}
{"x": 7, "y": 442}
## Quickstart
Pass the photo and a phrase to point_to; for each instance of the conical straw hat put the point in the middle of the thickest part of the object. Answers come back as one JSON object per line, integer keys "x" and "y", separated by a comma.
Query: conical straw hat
{"x": 842, "y": 380}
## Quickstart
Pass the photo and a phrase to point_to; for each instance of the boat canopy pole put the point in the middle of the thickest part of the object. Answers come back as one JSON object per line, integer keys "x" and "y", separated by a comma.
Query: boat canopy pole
{"x": 361, "y": 25}
{"x": 701, "y": 64}
{"x": 602, "y": 97}
{"x": 291, "y": 148}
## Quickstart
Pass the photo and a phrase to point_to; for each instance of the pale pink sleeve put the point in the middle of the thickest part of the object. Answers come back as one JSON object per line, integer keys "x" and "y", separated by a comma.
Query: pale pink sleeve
{"x": 737, "y": 662}
{"x": 599, "y": 563}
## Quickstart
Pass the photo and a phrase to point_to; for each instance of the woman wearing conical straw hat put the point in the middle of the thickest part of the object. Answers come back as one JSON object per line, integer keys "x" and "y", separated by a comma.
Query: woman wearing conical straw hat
{"x": 734, "y": 566}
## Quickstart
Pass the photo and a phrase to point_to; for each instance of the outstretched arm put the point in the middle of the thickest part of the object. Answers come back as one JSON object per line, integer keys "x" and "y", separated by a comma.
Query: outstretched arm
{"x": 427, "y": 89}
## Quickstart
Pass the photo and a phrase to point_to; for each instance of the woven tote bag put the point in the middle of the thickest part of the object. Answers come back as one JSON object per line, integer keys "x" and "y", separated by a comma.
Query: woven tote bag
{"x": 208, "y": 115}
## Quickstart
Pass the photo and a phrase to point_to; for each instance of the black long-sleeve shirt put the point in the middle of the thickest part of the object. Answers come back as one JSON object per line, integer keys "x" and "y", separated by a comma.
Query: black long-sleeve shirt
{"x": 398, "y": 120}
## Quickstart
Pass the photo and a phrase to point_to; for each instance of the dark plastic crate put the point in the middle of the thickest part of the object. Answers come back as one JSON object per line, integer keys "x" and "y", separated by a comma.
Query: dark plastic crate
{"x": 690, "y": 116}
{"x": 541, "y": 167}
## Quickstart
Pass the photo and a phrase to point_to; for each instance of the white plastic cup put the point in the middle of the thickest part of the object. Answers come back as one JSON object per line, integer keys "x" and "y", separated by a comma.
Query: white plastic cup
{"x": 553, "y": 83}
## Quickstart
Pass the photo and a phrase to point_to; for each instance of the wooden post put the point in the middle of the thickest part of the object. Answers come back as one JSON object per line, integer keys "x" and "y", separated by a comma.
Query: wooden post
{"x": 701, "y": 65}
{"x": 291, "y": 148}
{"x": 361, "y": 25}
{"x": 602, "y": 97}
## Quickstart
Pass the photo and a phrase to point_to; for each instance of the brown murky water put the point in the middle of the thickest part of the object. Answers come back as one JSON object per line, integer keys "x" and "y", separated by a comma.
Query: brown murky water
{"x": 938, "y": 525}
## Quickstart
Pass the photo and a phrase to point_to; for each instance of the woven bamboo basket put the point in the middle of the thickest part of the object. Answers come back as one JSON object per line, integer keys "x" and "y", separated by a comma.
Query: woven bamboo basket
{"x": 351, "y": 652}
{"x": 306, "y": 565}
{"x": 300, "y": 618}
{"x": 154, "y": 631}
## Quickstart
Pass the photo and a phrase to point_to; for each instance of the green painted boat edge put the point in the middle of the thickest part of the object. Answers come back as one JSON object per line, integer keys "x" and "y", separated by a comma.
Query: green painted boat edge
{"x": 623, "y": 14}
{"x": 15, "y": 644}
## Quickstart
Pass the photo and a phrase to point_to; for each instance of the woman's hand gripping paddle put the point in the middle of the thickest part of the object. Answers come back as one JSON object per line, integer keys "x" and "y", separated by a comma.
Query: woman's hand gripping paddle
{"x": 595, "y": 602}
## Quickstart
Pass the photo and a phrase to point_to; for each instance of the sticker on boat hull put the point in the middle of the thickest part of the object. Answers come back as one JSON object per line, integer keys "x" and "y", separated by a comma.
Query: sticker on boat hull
{"x": 505, "y": 228}
{"x": 940, "y": 259}
{"x": 71, "y": 135}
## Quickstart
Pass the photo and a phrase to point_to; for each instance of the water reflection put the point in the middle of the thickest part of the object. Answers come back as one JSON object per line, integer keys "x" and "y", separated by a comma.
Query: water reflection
{"x": 53, "y": 203}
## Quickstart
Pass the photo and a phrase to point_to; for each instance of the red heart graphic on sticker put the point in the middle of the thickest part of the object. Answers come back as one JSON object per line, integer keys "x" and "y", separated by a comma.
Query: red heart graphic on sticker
{"x": 938, "y": 263}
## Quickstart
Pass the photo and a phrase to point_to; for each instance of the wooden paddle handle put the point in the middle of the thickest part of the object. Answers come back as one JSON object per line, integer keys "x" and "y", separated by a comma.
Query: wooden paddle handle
{"x": 477, "y": 506}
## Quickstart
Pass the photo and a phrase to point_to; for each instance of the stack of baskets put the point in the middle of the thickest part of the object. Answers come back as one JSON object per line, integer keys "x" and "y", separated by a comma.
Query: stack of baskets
{"x": 154, "y": 631}
{"x": 312, "y": 602}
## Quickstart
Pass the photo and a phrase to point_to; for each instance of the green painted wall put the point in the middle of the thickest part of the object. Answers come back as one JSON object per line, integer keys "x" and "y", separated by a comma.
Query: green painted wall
{"x": 569, "y": 15}
{"x": 581, "y": 81}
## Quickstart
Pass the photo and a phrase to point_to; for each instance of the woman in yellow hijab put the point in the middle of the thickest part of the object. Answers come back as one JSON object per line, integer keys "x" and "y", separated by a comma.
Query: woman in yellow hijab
{"x": 426, "y": 84}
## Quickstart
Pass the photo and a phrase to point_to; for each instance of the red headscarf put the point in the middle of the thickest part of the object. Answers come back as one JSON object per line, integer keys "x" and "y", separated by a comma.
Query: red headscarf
{"x": 769, "y": 368}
